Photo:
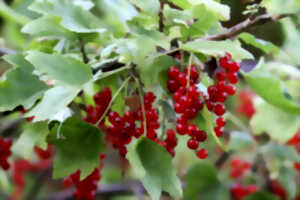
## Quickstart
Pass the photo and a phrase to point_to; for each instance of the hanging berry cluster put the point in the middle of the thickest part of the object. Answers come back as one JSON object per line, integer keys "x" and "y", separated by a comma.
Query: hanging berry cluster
{"x": 122, "y": 129}
{"x": 188, "y": 101}
{"x": 187, "y": 105}
{"x": 239, "y": 191}
{"x": 20, "y": 167}
{"x": 218, "y": 93}
{"x": 5, "y": 152}
{"x": 239, "y": 167}
{"x": 86, "y": 188}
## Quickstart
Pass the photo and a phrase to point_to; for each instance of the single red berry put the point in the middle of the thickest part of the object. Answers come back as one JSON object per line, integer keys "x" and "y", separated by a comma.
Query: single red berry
{"x": 230, "y": 89}
{"x": 173, "y": 72}
{"x": 220, "y": 75}
{"x": 210, "y": 106}
{"x": 193, "y": 130}
{"x": 220, "y": 121}
{"x": 182, "y": 79}
{"x": 218, "y": 131}
{"x": 201, "y": 136}
{"x": 172, "y": 85}
{"x": 202, "y": 153}
{"x": 233, "y": 77}
{"x": 181, "y": 128}
{"x": 192, "y": 144}
{"x": 219, "y": 109}
{"x": 234, "y": 67}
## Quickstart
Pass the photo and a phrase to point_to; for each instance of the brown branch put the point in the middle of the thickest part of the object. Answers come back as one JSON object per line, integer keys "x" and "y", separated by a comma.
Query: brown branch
{"x": 235, "y": 30}
{"x": 38, "y": 184}
{"x": 161, "y": 17}
{"x": 128, "y": 187}
{"x": 82, "y": 50}
{"x": 223, "y": 158}
{"x": 4, "y": 51}
{"x": 260, "y": 164}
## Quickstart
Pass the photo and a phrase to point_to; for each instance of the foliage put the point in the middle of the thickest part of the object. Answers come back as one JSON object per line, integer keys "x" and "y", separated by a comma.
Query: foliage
{"x": 148, "y": 79}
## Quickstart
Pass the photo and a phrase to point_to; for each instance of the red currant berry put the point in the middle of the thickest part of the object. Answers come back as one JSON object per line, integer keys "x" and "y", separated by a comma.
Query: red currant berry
{"x": 221, "y": 122}
{"x": 230, "y": 89}
{"x": 219, "y": 109}
{"x": 181, "y": 128}
{"x": 218, "y": 131}
{"x": 233, "y": 78}
{"x": 234, "y": 67}
{"x": 192, "y": 144}
{"x": 201, "y": 136}
{"x": 221, "y": 76}
{"x": 173, "y": 72}
{"x": 202, "y": 153}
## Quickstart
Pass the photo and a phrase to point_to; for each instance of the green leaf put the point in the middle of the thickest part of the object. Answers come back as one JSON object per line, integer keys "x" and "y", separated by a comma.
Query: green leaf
{"x": 153, "y": 165}
{"x": 276, "y": 7}
{"x": 4, "y": 181}
{"x": 123, "y": 10}
{"x": 277, "y": 95}
{"x": 54, "y": 100}
{"x": 240, "y": 140}
{"x": 208, "y": 116}
{"x": 184, "y": 4}
{"x": 20, "y": 86}
{"x": 261, "y": 195}
{"x": 150, "y": 73}
{"x": 149, "y": 6}
{"x": 265, "y": 46}
{"x": 282, "y": 152}
{"x": 79, "y": 147}
{"x": 47, "y": 26}
{"x": 154, "y": 36}
{"x": 221, "y": 11}
{"x": 218, "y": 48}
{"x": 199, "y": 178}
{"x": 74, "y": 17}
{"x": 286, "y": 179}
{"x": 66, "y": 70}
{"x": 280, "y": 126}
{"x": 34, "y": 134}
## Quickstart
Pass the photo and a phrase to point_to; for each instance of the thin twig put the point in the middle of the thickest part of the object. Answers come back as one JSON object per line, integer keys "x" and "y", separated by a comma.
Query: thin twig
{"x": 223, "y": 158}
{"x": 128, "y": 187}
{"x": 82, "y": 50}
{"x": 161, "y": 17}
{"x": 38, "y": 184}
{"x": 235, "y": 30}
{"x": 4, "y": 51}
{"x": 112, "y": 100}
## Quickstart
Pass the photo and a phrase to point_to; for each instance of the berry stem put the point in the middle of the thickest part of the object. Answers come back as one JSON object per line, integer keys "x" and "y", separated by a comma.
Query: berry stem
{"x": 235, "y": 120}
{"x": 189, "y": 71}
{"x": 142, "y": 104}
{"x": 112, "y": 100}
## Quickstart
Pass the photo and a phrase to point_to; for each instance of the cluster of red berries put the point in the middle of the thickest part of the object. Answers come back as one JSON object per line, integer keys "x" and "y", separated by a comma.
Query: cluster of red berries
{"x": 239, "y": 191}
{"x": 239, "y": 167}
{"x": 187, "y": 105}
{"x": 218, "y": 93}
{"x": 44, "y": 154}
{"x": 170, "y": 142}
{"x": 295, "y": 141}
{"x": 21, "y": 167}
{"x": 5, "y": 152}
{"x": 121, "y": 129}
{"x": 102, "y": 100}
{"x": 278, "y": 190}
{"x": 86, "y": 188}
{"x": 246, "y": 106}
